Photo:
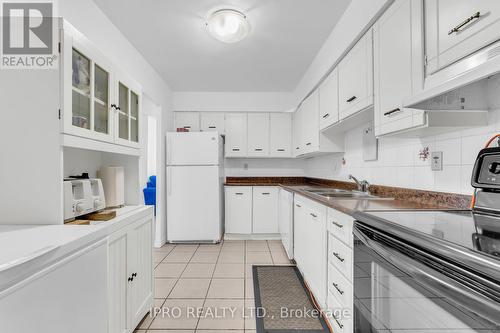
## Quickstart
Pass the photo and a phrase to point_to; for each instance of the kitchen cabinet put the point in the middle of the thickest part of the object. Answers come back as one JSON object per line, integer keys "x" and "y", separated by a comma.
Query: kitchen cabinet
{"x": 285, "y": 220}
{"x": 130, "y": 277}
{"x": 212, "y": 122}
{"x": 297, "y": 132}
{"x": 457, "y": 28}
{"x": 396, "y": 35}
{"x": 311, "y": 245}
{"x": 68, "y": 295}
{"x": 238, "y": 209}
{"x": 258, "y": 135}
{"x": 100, "y": 102}
{"x": 310, "y": 133}
{"x": 236, "y": 135}
{"x": 355, "y": 73}
{"x": 280, "y": 144}
{"x": 188, "y": 120}
{"x": 329, "y": 100}
{"x": 265, "y": 210}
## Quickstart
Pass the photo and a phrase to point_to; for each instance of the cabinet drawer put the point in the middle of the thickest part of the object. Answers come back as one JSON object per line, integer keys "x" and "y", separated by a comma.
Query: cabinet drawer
{"x": 339, "y": 286}
{"x": 341, "y": 317}
{"x": 340, "y": 225}
{"x": 340, "y": 256}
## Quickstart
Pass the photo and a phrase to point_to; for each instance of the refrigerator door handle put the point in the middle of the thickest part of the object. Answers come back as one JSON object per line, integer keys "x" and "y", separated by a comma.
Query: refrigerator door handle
{"x": 169, "y": 181}
{"x": 169, "y": 152}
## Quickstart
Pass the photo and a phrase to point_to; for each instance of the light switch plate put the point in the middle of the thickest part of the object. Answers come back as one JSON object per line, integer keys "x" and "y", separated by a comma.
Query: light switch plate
{"x": 437, "y": 161}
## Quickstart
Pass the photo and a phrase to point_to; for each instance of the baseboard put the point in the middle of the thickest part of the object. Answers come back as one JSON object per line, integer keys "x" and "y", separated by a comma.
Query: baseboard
{"x": 252, "y": 236}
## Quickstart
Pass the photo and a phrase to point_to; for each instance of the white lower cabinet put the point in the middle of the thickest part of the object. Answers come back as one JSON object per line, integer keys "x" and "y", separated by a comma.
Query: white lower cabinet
{"x": 310, "y": 245}
{"x": 238, "y": 210}
{"x": 66, "y": 296}
{"x": 130, "y": 277}
{"x": 265, "y": 210}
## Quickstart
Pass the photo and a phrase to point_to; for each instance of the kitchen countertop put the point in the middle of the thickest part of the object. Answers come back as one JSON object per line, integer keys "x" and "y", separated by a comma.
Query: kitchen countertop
{"x": 25, "y": 249}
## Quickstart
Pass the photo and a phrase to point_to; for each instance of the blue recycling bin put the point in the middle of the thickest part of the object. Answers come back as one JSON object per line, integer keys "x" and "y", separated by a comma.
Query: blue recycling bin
{"x": 150, "y": 192}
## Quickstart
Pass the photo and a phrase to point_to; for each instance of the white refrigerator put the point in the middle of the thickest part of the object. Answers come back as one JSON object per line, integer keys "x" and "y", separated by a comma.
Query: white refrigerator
{"x": 195, "y": 176}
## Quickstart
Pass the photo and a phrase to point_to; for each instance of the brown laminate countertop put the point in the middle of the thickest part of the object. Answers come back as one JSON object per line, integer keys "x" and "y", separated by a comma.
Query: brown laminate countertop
{"x": 404, "y": 199}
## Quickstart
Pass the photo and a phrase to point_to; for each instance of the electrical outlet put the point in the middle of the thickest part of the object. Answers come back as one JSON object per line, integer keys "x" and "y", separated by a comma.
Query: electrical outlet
{"x": 437, "y": 161}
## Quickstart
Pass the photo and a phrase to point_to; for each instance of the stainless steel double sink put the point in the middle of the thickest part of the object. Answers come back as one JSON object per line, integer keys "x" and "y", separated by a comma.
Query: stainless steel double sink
{"x": 344, "y": 194}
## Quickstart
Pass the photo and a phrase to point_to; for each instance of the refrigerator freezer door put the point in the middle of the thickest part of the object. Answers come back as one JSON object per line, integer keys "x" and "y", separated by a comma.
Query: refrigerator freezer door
{"x": 196, "y": 148}
{"x": 193, "y": 204}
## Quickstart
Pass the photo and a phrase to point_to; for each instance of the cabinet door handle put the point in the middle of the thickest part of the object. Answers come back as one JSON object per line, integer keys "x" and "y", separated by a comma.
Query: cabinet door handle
{"x": 212, "y": 127}
{"x": 134, "y": 275}
{"x": 130, "y": 279}
{"x": 337, "y": 224}
{"x": 258, "y": 149}
{"x": 326, "y": 115}
{"x": 338, "y": 289}
{"x": 338, "y": 323}
{"x": 313, "y": 215}
{"x": 351, "y": 99}
{"x": 280, "y": 149}
{"x": 297, "y": 147}
{"x": 464, "y": 23}
{"x": 113, "y": 106}
{"x": 338, "y": 256}
{"x": 388, "y": 113}
{"x": 239, "y": 193}
{"x": 118, "y": 108}
{"x": 236, "y": 149}
{"x": 187, "y": 127}
{"x": 308, "y": 144}
{"x": 298, "y": 205}
{"x": 266, "y": 193}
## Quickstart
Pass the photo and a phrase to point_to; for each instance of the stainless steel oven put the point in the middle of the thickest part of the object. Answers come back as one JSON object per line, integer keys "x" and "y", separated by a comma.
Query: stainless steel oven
{"x": 401, "y": 286}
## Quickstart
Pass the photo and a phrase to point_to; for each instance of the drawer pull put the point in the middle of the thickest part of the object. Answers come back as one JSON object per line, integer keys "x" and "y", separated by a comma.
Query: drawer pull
{"x": 338, "y": 256}
{"x": 265, "y": 193}
{"x": 326, "y": 115}
{"x": 464, "y": 23}
{"x": 236, "y": 149}
{"x": 338, "y": 289}
{"x": 388, "y": 113}
{"x": 212, "y": 127}
{"x": 314, "y": 215}
{"x": 298, "y": 205}
{"x": 308, "y": 144}
{"x": 297, "y": 147}
{"x": 239, "y": 193}
{"x": 258, "y": 149}
{"x": 351, "y": 99}
{"x": 337, "y": 225}
{"x": 338, "y": 323}
{"x": 280, "y": 149}
{"x": 187, "y": 127}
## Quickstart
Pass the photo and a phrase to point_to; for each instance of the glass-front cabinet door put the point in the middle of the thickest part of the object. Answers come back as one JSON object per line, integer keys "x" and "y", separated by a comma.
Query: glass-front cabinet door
{"x": 127, "y": 112}
{"x": 88, "y": 91}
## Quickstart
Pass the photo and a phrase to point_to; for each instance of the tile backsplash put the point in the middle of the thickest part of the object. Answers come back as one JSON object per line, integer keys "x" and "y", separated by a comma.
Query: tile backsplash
{"x": 400, "y": 165}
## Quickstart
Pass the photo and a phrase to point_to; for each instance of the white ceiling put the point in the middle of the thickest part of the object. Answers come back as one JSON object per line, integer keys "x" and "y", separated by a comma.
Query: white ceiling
{"x": 284, "y": 39}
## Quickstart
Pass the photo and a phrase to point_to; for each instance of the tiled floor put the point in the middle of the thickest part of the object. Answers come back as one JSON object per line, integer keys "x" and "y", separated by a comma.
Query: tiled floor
{"x": 213, "y": 281}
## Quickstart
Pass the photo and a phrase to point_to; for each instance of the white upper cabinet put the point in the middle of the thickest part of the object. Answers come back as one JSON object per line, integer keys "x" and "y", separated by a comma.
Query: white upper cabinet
{"x": 310, "y": 137}
{"x": 297, "y": 130}
{"x": 356, "y": 78}
{"x": 188, "y": 120}
{"x": 395, "y": 35}
{"x": 258, "y": 134}
{"x": 212, "y": 122}
{"x": 99, "y": 101}
{"x": 329, "y": 100}
{"x": 281, "y": 134}
{"x": 458, "y": 28}
{"x": 236, "y": 135}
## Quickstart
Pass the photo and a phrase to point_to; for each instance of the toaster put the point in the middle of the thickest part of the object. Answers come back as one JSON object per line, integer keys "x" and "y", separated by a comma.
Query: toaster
{"x": 82, "y": 196}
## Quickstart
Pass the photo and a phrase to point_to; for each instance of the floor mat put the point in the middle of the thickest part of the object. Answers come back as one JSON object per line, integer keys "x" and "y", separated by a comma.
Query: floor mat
{"x": 283, "y": 303}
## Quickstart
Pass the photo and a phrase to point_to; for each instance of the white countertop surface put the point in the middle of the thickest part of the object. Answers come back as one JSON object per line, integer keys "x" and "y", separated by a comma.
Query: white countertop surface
{"x": 23, "y": 248}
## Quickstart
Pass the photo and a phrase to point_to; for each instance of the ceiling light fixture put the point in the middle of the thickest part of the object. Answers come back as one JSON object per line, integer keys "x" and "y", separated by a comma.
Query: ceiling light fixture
{"x": 228, "y": 25}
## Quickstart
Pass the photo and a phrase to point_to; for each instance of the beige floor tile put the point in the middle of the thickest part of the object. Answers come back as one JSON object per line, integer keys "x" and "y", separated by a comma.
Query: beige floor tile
{"x": 276, "y": 247}
{"x": 163, "y": 287}
{"x": 220, "y": 331}
{"x": 165, "y": 248}
{"x": 249, "y": 293}
{"x": 232, "y": 257}
{"x": 205, "y": 257}
{"x": 178, "y": 314}
{"x": 169, "y": 270}
{"x": 146, "y": 321}
{"x": 280, "y": 258}
{"x": 229, "y": 315}
{"x": 159, "y": 256}
{"x": 229, "y": 271}
{"x": 178, "y": 256}
{"x": 257, "y": 246}
{"x": 171, "y": 331}
{"x": 250, "y": 315}
{"x": 248, "y": 271}
{"x": 190, "y": 288}
{"x": 210, "y": 247}
{"x": 250, "y": 331}
{"x": 227, "y": 288}
{"x": 263, "y": 258}
{"x": 198, "y": 270}
{"x": 186, "y": 247}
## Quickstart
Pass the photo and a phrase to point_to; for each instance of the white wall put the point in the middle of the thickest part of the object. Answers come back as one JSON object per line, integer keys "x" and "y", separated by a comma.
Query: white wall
{"x": 234, "y": 101}
{"x": 86, "y": 17}
{"x": 264, "y": 167}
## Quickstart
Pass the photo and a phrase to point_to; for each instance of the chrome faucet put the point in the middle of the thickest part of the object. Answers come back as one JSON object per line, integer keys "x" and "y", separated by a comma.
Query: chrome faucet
{"x": 363, "y": 186}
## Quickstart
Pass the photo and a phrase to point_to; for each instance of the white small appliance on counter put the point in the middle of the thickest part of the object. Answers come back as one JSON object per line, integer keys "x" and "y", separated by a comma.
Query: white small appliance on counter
{"x": 113, "y": 181}
{"x": 82, "y": 196}
{"x": 194, "y": 187}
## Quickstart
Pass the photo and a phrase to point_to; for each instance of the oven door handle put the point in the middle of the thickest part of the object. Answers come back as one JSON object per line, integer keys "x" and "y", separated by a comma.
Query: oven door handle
{"x": 431, "y": 278}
